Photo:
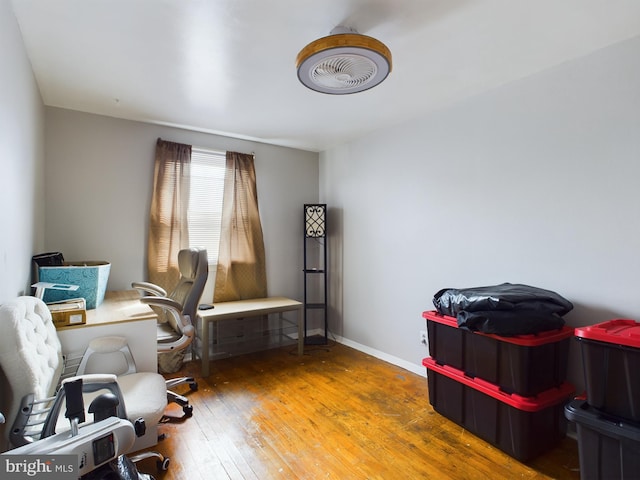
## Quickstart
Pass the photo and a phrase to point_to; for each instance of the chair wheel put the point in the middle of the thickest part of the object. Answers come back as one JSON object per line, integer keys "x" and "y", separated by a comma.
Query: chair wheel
{"x": 188, "y": 410}
{"x": 163, "y": 465}
{"x": 193, "y": 386}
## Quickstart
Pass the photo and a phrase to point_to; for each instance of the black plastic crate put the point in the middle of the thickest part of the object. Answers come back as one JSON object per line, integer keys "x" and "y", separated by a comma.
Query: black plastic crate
{"x": 523, "y": 427}
{"x": 611, "y": 361}
{"x": 524, "y": 364}
{"x": 608, "y": 446}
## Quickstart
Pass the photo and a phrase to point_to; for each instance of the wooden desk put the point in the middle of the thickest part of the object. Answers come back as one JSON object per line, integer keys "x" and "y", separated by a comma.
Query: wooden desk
{"x": 118, "y": 307}
{"x": 122, "y": 314}
{"x": 245, "y": 309}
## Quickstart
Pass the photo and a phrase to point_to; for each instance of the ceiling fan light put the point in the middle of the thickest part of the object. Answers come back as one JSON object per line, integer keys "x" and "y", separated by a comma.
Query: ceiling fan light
{"x": 343, "y": 63}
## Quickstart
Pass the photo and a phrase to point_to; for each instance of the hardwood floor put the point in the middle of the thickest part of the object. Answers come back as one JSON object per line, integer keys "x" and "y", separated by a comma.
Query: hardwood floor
{"x": 335, "y": 413}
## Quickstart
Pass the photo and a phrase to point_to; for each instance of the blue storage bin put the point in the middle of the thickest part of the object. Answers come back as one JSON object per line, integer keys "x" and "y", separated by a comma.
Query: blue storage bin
{"x": 91, "y": 278}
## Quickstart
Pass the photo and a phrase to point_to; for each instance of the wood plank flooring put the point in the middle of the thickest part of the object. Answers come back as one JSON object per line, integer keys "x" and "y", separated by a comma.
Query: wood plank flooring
{"x": 335, "y": 413}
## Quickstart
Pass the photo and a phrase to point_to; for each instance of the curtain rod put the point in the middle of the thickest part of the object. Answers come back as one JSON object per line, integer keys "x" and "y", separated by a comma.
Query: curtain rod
{"x": 219, "y": 152}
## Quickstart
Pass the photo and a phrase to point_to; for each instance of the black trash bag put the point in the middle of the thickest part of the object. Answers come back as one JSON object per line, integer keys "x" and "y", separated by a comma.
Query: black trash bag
{"x": 506, "y": 296}
{"x": 505, "y": 309}
{"x": 507, "y": 323}
{"x": 121, "y": 468}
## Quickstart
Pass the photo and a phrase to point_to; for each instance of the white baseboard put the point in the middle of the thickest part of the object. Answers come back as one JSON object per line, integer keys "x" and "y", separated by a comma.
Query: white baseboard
{"x": 411, "y": 367}
{"x": 398, "y": 362}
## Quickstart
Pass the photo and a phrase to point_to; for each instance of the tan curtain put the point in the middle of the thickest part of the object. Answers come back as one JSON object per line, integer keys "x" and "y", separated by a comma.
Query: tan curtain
{"x": 168, "y": 229}
{"x": 241, "y": 271}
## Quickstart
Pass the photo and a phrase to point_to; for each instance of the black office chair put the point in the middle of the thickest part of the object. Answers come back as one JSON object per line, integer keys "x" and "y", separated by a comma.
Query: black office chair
{"x": 175, "y": 331}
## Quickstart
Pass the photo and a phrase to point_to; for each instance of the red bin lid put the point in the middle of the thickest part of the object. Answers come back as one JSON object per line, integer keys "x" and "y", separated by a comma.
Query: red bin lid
{"x": 529, "y": 340}
{"x": 542, "y": 400}
{"x": 621, "y": 331}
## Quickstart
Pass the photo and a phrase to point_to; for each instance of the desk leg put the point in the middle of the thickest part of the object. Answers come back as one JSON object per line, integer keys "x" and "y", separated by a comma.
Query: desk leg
{"x": 205, "y": 347}
{"x": 300, "y": 333}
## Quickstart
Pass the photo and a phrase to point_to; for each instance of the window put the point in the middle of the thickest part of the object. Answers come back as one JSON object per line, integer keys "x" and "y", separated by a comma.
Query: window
{"x": 190, "y": 183}
{"x": 205, "y": 200}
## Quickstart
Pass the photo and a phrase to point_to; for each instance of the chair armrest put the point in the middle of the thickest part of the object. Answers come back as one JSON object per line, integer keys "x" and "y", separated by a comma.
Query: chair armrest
{"x": 93, "y": 381}
{"x": 105, "y": 345}
{"x": 171, "y": 306}
{"x": 182, "y": 321}
{"x": 90, "y": 383}
{"x": 108, "y": 344}
{"x": 163, "y": 302}
{"x": 27, "y": 425}
{"x": 37, "y": 418}
{"x": 188, "y": 333}
{"x": 149, "y": 288}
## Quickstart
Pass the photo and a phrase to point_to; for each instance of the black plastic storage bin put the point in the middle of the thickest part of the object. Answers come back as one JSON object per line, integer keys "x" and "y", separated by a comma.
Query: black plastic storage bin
{"x": 524, "y": 364}
{"x": 608, "y": 447}
{"x": 611, "y": 361}
{"x": 523, "y": 427}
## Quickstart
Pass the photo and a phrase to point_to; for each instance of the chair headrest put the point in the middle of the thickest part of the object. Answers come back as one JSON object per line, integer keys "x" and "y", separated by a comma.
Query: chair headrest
{"x": 190, "y": 260}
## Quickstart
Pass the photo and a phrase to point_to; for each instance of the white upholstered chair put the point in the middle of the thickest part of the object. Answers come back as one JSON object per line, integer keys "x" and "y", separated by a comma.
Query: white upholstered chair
{"x": 32, "y": 363}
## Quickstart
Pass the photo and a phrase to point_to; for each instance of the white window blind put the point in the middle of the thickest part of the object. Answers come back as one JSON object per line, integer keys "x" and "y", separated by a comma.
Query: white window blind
{"x": 205, "y": 200}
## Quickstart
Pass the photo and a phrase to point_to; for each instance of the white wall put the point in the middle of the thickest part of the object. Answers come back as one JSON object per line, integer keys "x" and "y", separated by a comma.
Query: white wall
{"x": 22, "y": 171}
{"x": 535, "y": 182}
{"x": 99, "y": 173}
{"x": 21, "y": 161}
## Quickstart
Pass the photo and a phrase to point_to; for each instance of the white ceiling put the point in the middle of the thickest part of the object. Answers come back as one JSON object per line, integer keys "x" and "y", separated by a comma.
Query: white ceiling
{"x": 228, "y": 66}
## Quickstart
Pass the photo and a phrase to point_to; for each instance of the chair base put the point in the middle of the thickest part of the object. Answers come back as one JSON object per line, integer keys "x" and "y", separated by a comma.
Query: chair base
{"x": 162, "y": 462}
{"x": 173, "y": 397}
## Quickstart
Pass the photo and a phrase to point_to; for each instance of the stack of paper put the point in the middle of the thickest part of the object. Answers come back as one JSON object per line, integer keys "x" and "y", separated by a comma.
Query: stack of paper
{"x": 68, "y": 312}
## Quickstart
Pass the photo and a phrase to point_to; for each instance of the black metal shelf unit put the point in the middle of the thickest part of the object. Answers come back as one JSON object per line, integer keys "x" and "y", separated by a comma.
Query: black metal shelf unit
{"x": 315, "y": 271}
